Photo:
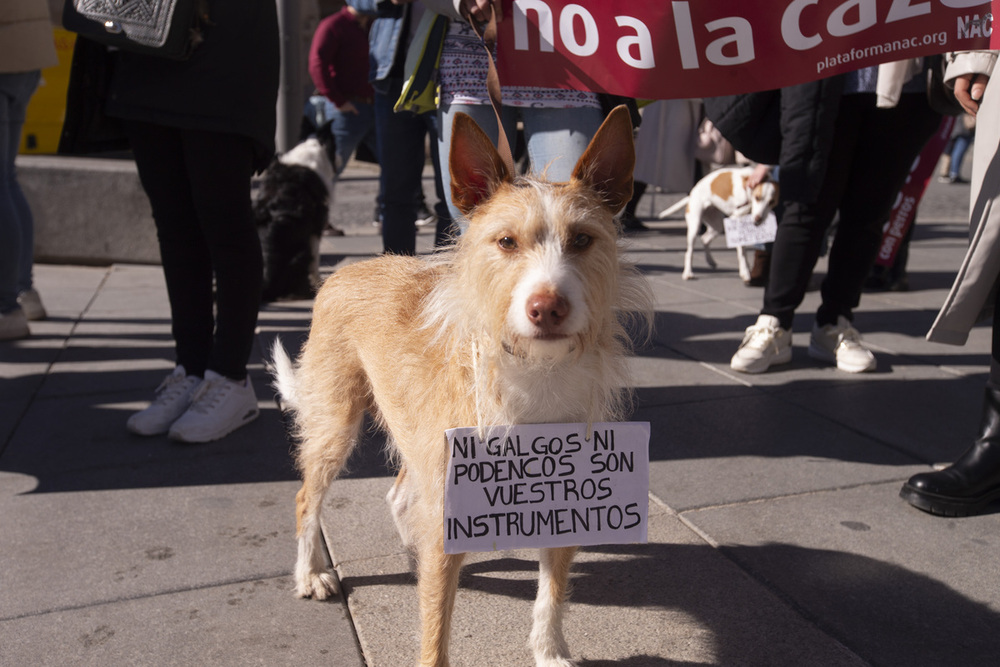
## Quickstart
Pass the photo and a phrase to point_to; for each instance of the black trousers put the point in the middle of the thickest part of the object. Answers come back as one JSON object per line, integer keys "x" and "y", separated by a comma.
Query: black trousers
{"x": 198, "y": 184}
{"x": 869, "y": 162}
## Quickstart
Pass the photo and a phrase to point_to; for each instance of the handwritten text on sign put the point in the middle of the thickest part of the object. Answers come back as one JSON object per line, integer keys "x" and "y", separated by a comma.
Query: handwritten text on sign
{"x": 743, "y": 231}
{"x": 665, "y": 49}
{"x": 546, "y": 485}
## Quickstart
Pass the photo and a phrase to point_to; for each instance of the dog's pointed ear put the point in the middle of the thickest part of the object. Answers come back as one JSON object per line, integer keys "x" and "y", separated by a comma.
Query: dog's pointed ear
{"x": 477, "y": 169}
{"x": 606, "y": 166}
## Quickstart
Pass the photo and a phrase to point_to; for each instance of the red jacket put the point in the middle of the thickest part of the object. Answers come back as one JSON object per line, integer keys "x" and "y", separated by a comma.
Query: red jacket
{"x": 338, "y": 58}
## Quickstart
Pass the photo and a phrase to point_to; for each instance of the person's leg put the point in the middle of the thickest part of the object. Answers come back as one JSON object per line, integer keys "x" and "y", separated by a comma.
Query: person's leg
{"x": 445, "y": 230}
{"x": 401, "y": 138}
{"x": 27, "y": 254}
{"x": 888, "y": 141}
{"x": 802, "y": 226}
{"x": 220, "y": 166}
{"x": 958, "y": 150}
{"x": 350, "y": 129}
{"x": 556, "y": 138}
{"x": 15, "y": 216}
{"x": 972, "y": 482}
{"x": 944, "y": 164}
{"x": 184, "y": 252}
{"x": 187, "y": 270}
{"x": 796, "y": 248}
{"x": 199, "y": 186}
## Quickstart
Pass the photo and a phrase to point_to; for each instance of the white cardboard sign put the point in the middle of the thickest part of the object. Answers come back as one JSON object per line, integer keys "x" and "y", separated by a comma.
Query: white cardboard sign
{"x": 742, "y": 231}
{"x": 546, "y": 485}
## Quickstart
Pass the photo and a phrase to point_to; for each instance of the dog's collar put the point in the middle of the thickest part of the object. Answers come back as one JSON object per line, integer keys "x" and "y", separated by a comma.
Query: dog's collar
{"x": 521, "y": 356}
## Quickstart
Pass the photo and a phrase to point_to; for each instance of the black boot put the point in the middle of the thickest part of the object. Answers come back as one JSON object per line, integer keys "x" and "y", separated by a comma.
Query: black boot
{"x": 973, "y": 481}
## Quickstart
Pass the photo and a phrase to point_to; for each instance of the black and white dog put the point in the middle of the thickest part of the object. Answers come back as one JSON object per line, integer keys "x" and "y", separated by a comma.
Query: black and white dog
{"x": 291, "y": 207}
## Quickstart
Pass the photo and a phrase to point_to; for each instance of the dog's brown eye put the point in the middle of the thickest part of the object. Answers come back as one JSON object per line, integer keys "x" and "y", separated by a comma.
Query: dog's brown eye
{"x": 581, "y": 241}
{"x": 508, "y": 243}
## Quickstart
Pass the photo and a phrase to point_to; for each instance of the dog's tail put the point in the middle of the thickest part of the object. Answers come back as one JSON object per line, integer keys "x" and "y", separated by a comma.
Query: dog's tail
{"x": 283, "y": 371}
{"x": 667, "y": 212}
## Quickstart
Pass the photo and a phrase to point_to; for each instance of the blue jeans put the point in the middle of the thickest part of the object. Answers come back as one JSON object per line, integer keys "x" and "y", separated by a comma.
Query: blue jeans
{"x": 349, "y": 129}
{"x": 960, "y": 144}
{"x": 556, "y": 138}
{"x": 16, "y": 224}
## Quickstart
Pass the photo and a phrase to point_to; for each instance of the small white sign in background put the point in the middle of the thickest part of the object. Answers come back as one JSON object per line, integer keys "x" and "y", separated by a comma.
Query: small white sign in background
{"x": 742, "y": 231}
{"x": 546, "y": 485}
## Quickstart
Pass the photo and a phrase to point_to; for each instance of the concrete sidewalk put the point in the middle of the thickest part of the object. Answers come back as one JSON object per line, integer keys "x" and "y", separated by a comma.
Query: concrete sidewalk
{"x": 776, "y": 534}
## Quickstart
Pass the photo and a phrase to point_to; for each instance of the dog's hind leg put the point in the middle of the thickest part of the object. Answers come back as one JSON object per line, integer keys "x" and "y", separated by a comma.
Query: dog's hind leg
{"x": 706, "y": 240}
{"x": 547, "y": 640}
{"x": 400, "y": 499}
{"x": 321, "y": 457}
{"x": 693, "y": 222}
{"x": 437, "y": 583}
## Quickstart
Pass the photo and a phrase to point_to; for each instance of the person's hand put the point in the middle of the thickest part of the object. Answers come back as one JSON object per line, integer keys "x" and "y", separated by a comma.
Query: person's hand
{"x": 479, "y": 10}
{"x": 758, "y": 175}
{"x": 348, "y": 107}
{"x": 969, "y": 90}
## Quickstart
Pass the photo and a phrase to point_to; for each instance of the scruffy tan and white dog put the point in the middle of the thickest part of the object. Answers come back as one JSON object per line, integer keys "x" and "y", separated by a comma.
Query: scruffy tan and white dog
{"x": 723, "y": 194}
{"x": 524, "y": 321}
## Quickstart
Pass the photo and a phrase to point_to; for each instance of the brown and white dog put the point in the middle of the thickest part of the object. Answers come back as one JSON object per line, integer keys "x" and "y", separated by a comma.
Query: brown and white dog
{"x": 524, "y": 321}
{"x": 723, "y": 194}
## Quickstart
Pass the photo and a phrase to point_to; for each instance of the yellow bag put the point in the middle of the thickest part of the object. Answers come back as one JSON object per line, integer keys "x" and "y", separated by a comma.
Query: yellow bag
{"x": 423, "y": 58}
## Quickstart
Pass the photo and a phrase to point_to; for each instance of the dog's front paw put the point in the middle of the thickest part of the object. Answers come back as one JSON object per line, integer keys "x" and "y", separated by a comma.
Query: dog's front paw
{"x": 688, "y": 275}
{"x": 316, "y": 585}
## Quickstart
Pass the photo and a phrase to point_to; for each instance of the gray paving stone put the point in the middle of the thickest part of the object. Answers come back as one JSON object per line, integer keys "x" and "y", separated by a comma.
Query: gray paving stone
{"x": 252, "y": 622}
{"x": 895, "y": 585}
{"x": 673, "y": 601}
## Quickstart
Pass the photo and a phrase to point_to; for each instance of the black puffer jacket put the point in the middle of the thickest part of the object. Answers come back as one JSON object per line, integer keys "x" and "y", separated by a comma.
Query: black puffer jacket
{"x": 229, "y": 84}
{"x": 792, "y": 127}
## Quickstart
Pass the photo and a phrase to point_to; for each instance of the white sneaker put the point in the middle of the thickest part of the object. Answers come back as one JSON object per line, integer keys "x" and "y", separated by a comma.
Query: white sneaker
{"x": 765, "y": 344}
{"x": 840, "y": 344}
{"x": 31, "y": 303}
{"x": 219, "y": 407}
{"x": 14, "y": 325}
{"x": 173, "y": 397}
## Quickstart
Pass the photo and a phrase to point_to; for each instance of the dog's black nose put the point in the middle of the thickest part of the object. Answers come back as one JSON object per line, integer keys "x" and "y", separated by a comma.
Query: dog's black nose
{"x": 547, "y": 310}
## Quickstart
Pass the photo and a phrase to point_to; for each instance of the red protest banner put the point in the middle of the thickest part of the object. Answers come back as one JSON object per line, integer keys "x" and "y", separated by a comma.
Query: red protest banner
{"x": 995, "y": 38}
{"x": 659, "y": 49}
